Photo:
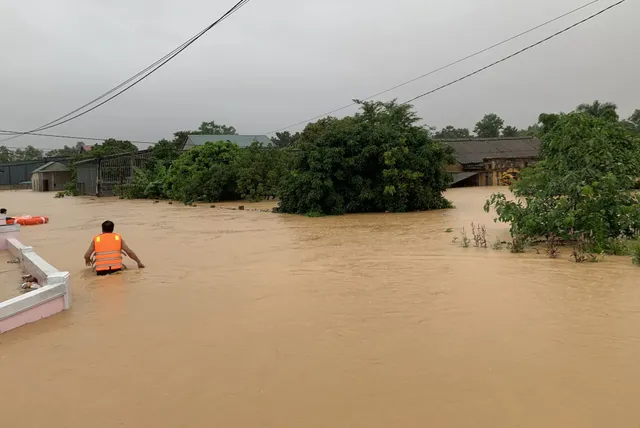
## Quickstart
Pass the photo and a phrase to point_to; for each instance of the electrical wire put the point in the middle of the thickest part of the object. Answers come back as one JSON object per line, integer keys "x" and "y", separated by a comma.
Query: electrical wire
{"x": 546, "y": 39}
{"x": 71, "y": 137}
{"x": 444, "y": 67}
{"x": 148, "y": 70}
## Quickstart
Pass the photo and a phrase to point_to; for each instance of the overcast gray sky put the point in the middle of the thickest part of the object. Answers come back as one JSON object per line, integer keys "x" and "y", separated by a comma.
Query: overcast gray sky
{"x": 277, "y": 62}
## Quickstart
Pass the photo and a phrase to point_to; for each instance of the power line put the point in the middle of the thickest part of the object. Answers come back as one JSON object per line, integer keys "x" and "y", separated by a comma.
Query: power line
{"x": 515, "y": 53}
{"x": 451, "y": 64}
{"x": 71, "y": 137}
{"x": 148, "y": 70}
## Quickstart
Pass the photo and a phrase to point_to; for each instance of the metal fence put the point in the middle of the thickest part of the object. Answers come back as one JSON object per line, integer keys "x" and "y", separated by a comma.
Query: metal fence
{"x": 109, "y": 175}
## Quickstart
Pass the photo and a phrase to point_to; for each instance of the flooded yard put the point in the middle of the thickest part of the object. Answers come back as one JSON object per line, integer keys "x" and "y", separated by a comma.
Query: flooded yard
{"x": 10, "y": 277}
{"x": 254, "y": 319}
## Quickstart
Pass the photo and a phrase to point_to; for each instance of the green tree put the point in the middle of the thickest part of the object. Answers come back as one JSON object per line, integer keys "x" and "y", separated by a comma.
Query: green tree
{"x": 147, "y": 183}
{"x": 532, "y": 131}
{"x": 67, "y": 151}
{"x": 28, "y": 153}
{"x": 605, "y": 111}
{"x": 451, "y": 133}
{"x": 180, "y": 138}
{"x": 582, "y": 183}
{"x": 377, "y": 160}
{"x": 204, "y": 173}
{"x": 259, "y": 170}
{"x": 489, "y": 127}
{"x": 6, "y": 155}
{"x": 634, "y": 120}
{"x": 547, "y": 121}
{"x": 212, "y": 128}
{"x": 511, "y": 131}
{"x": 112, "y": 147}
{"x": 165, "y": 151}
{"x": 285, "y": 139}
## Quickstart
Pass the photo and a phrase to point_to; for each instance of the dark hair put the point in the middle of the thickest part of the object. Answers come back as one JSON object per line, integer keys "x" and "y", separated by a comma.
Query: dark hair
{"x": 107, "y": 227}
{"x": 3, "y": 210}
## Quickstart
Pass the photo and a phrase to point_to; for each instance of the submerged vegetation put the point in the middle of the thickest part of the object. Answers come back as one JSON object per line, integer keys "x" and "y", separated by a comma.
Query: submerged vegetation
{"x": 375, "y": 161}
{"x": 582, "y": 190}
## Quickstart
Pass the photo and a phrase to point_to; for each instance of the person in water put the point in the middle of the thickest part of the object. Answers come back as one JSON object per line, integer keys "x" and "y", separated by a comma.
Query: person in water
{"x": 107, "y": 250}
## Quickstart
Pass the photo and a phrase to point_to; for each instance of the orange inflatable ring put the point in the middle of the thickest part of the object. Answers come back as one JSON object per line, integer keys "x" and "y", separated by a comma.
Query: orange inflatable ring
{"x": 28, "y": 220}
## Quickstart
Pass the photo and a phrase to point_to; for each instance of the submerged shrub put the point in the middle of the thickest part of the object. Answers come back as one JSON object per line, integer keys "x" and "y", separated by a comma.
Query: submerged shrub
{"x": 582, "y": 183}
{"x": 377, "y": 160}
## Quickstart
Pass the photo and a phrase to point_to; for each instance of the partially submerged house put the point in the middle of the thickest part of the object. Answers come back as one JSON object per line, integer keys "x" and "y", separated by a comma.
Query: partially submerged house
{"x": 240, "y": 140}
{"x": 52, "y": 176}
{"x": 491, "y": 161}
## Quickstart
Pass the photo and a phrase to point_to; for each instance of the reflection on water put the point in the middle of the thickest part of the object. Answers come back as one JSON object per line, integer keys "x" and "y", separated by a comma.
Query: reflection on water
{"x": 252, "y": 319}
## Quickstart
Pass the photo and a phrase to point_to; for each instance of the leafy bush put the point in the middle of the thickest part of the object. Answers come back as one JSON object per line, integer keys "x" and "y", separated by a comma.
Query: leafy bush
{"x": 378, "y": 160}
{"x": 259, "y": 170}
{"x": 204, "y": 173}
{"x": 582, "y": 185}
{"x": 147, "y": 183}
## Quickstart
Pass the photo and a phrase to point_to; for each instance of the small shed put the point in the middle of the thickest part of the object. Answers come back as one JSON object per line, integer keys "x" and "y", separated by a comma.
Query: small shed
{"x": 51, "y": 176}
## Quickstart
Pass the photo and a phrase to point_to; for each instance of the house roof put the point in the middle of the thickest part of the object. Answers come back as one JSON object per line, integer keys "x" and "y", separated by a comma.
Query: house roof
{"x": 52, "y": 167}
{"x": 240, "y": 140}
{"x": 459, "y": 176}
{"x": 475, "y": 150}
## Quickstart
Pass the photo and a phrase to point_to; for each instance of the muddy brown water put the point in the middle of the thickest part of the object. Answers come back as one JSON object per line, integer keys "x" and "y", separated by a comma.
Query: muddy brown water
{"x": 10, "y": 277}
{"x": 252, "y": 319}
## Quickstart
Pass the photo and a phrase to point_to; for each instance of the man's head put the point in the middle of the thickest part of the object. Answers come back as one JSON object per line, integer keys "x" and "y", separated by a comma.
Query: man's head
{"x": 107, "y": 227}
{"x": 3, "y": 210}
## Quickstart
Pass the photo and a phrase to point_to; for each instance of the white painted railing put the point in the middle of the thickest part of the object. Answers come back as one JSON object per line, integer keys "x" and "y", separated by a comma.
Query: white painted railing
{"x": 54, "y": 295}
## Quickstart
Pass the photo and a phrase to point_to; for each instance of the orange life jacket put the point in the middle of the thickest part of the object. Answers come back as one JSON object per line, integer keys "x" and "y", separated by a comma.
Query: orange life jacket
{"x": 108, "y": 252}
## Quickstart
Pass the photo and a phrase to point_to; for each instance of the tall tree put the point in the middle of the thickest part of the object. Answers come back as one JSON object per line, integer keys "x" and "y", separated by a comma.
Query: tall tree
{"x": 489, "y": 127}
{"x": 378, "y": 160}
{"x": 547, "y": 121}
{"x": 285, "y": 139}
{"x": 212, "y": 128}
{"x": 450, "y": 132}
{"x": 6, "y": 155}
{"x": 605, "y": 111}
{"x": 634, "y": 121}
{"x": 511, "y": 131}
{"x": 28, "y": 153}
{"x": 67, "y": 150}
{"x": 113, "y": 147}
{"x": 582, "y": 185}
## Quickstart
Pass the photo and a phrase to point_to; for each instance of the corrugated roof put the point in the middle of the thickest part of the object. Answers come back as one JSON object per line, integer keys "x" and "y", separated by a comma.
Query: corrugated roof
{"x": 459, "y": 176}
{"x": 240, "y": 140}
{"x": 474, "y": 150}
{"x": 52, "y": 167}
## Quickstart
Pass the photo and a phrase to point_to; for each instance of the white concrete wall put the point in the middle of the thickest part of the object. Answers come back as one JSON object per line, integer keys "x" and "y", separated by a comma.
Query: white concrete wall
{"x": 53, "y": 297}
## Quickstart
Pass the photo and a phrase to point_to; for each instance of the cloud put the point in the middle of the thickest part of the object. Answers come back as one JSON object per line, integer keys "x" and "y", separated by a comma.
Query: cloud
{"x": 278, "y": 62}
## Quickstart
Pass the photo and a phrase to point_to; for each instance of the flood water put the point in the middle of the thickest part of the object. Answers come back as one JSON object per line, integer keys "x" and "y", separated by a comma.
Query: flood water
{"x": 253, "y": 319}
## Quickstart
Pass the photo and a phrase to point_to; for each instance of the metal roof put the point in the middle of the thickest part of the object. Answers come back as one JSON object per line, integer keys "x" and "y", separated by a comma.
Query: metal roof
{"x": 459, "y": 176}
{"x": 51, "y": 167}
{"x": 240, "y": 140}
{"x": 475, "y": 150}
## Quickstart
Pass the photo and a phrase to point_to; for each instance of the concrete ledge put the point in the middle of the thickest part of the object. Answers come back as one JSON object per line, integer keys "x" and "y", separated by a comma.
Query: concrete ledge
{"x": 53, "y": 297}
{"x": 17, "y": 248}
{"x": 8, "y": 231}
